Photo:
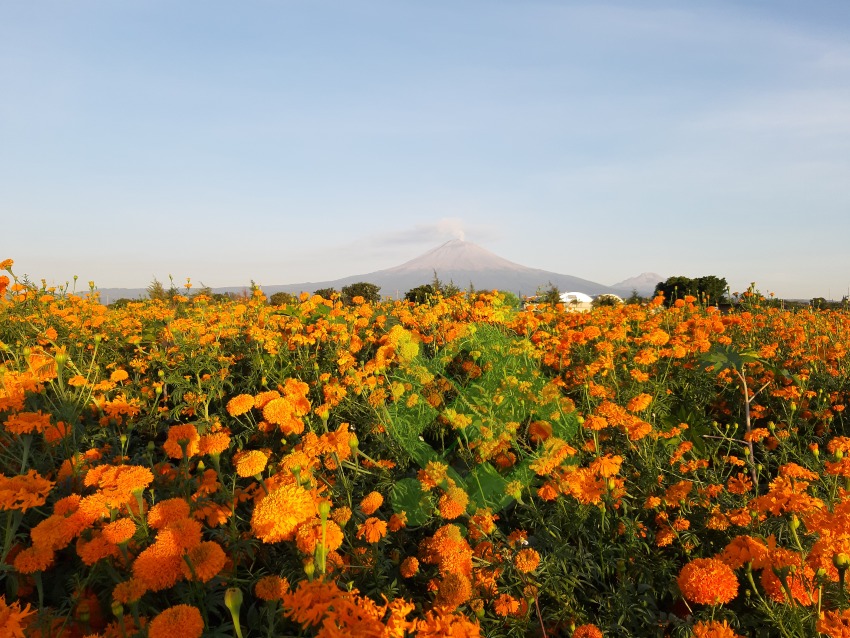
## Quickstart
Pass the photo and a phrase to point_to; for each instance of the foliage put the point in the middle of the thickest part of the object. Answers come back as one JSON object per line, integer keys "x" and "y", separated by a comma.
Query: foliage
{"x": 282, "y": 299}
{"x": 369, "y": 292}
{"x": 708, "y": 290}
{"x": 421, "y": 294}
{"x": 326, "y": 293}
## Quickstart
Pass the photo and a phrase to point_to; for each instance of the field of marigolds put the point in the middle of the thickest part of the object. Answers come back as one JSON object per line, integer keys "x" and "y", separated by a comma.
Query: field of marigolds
{"x": 458, "y": 468}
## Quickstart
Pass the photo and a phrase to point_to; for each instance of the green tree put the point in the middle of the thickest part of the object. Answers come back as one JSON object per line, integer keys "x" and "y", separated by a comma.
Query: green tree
{"x": 282, "y": 299}
{"x": 156, "y": 290}
{"x": 550, "y": 295}
{"x": 421, "y": 294}
{"x": 326, "y": 293}
{"x": 606, "y": 300}
{"x": 369, "y": 292}
{"x": 709, "y": 290}
{"x": 510, "y": 299}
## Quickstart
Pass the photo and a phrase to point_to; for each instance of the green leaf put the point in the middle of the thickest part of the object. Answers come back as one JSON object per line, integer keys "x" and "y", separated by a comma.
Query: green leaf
{"x": 407, "y": 496}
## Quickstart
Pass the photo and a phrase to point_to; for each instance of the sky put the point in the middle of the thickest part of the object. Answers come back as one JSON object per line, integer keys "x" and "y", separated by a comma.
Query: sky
{"x": 291, "y": 141}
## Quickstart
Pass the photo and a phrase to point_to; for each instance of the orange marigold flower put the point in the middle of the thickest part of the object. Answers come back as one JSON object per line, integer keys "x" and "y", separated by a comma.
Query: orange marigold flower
{"x": 277, "y": 514}
{"x": 96, "y": 548}
{"x": 439, "y": 625}
{"x": 743, "y": 550}
{"x": 182, "y": 534}
{"x": 539, "y": 431}
{"x": 129, "y": 591}
{"x": 34, "y": 559}
{"x": 207, "y": 559}
{"x": 708, "y": 581}
{"x": 118, "y": 375}
{"x": 214, "y": 443}
{"x": 185, "y": 434}
{"x": 454, "y": 590}
{"x": 639, "y": 403}
{"x": 835, "y": 624}
{"x": 527, "y": 560}
{"x": 240, "y": 404}
{"x": 409, "y": 566}
{"x": 505, "y": 605}
{"x": 24, "y": 491}
{"x": 181, "y": 620}
{"x": 309, "y": 535}
{"x": 371, "y": 502}
{"x": 453, "y": 503}
{"x": 119, "y": 531}
{"x": 373, "y": 530}
{"x": 250, "y": 463}
{"x": 341, "y": 515}
{"x": 167, "y": 511}
{"x": 158, "y": 567}
{"x": 397, "y": 522}
{"x": 12, "y": 618}
{"x": 587, "y": 631}
{"x": 714, "y": 629}
{"x": 261, "y": 399}
{"x": 27, "y": 422}
{"x": 271, "y": 588}
{"x": 278, "y": 411}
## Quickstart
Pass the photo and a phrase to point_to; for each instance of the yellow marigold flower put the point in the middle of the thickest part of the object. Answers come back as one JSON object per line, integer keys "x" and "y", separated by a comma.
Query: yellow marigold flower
{"x": 370, "y": 504}
{"x": 372, "y": 530}
{"x": 185, "y": 433}
{"x": 12, "y": 617}
{"x": 271, "y": 588}
{"x": 250, "y": 463}
{"x": 118, "y": 375}
{"x": 7, "y": 264}
{"x": 277, "y": 514}
{"x": 207, "y": 560}
{"x": 708, "y": 581}
{"x": 240, "y": 404}
{"x": 181, "y": 620}
{"x": 119, "y": 531}
{"x": 527, "y": 560}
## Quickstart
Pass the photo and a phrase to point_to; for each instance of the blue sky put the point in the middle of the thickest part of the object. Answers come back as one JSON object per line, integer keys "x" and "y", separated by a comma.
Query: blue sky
{"x": 295, "y": 141}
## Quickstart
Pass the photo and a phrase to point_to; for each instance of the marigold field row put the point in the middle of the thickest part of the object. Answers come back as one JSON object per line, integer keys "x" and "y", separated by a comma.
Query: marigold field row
{"x": 457, "y": 468}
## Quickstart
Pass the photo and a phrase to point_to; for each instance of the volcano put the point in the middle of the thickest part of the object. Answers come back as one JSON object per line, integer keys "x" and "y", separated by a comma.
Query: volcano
{"x": 462, "y": 263}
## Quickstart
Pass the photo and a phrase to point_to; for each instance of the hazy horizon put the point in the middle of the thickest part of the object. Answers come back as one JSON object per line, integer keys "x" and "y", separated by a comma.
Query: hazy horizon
{"x": 291, "y": 142}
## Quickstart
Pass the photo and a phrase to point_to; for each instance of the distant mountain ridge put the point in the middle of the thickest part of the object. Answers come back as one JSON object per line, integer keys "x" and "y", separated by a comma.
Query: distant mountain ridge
{"x": 644, "y": 283}
{"x": 460, "y": 262}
